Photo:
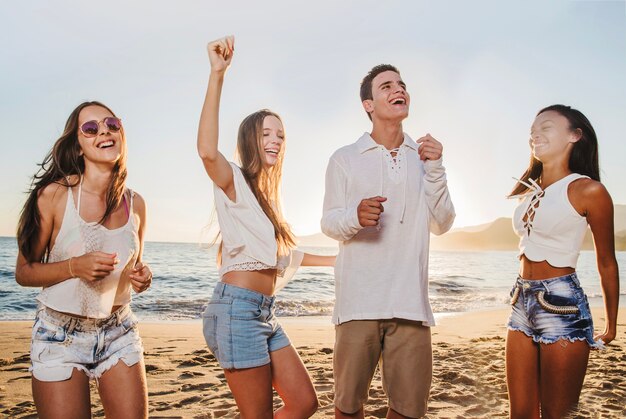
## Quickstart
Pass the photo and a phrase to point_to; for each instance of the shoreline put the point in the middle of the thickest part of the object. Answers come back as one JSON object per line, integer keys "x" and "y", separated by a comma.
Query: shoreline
{"x": 184, "y": 379}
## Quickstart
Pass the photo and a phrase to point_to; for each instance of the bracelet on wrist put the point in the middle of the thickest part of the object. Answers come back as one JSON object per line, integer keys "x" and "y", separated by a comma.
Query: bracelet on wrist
{"x": 69, "y": 262}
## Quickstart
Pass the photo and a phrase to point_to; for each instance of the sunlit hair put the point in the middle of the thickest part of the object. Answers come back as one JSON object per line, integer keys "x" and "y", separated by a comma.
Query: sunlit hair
{"x": 366, "y": 84}
{"x": 264, "y": 181}
{"x": 64, "y": 160}
{"x": 584, "y": 156}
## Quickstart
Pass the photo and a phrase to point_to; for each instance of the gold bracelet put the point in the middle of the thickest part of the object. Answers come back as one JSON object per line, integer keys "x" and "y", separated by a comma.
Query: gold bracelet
{"x": 69, "y": 262}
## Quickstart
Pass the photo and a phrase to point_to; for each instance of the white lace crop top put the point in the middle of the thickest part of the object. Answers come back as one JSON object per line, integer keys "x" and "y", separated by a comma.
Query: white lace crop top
{"x": 248, "y": 241}
{"x": 94, "y": 299}
{"x": 549, "y": 227}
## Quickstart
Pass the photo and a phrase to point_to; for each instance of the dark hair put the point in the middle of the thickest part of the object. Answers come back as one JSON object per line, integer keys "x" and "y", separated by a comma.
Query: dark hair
{"x": 64, "y": 160}
{"x": 366, "y": 83}
{"x": 584, "y": 156}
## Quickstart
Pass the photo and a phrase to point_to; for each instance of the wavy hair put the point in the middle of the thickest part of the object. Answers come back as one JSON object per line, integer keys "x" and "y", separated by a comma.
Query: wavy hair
{"x": 64, "y": 160}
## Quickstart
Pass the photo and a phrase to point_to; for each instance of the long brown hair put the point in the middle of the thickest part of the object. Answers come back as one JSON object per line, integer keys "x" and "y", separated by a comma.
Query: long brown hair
{"x": 584, "y": 156}
{"x": 64, "y": 160}
{"x": 264, "y": 181}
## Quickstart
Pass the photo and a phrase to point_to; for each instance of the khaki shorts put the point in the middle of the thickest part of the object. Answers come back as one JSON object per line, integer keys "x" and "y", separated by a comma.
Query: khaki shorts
{"x": 403, "y": 346}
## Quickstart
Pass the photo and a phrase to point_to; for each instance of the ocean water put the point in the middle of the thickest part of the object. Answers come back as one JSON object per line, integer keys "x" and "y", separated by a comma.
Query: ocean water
{"x": 185, "y": 274}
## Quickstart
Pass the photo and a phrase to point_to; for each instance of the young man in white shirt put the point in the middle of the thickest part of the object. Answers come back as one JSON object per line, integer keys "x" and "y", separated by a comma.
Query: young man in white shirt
{"x": 384, "y": 195}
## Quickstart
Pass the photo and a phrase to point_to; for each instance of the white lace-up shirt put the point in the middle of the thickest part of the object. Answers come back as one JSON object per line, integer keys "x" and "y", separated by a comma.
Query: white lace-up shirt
{"x": 382, "y": 272}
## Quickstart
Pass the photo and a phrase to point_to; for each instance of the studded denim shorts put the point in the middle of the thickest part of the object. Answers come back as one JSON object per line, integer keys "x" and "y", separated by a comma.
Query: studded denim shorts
{"x": 61, "y": 342}
{"x": 240, "y": 327}
{"x": 552, "y": 309}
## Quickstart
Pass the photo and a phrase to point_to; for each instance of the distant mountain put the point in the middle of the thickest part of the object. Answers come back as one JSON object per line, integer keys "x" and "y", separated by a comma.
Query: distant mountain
{"x": 316, "y": 240}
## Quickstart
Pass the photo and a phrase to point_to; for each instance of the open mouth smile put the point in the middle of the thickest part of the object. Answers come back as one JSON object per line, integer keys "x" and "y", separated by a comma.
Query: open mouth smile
{"x": 105, "y": 144}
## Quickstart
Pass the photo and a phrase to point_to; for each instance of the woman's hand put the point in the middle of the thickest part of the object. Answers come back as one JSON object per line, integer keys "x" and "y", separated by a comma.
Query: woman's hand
{"x": 141, "y": 278}
{"x": 606, "y": 337}
{"x": 93, "y": 266}
{"x": 221, "y": 53}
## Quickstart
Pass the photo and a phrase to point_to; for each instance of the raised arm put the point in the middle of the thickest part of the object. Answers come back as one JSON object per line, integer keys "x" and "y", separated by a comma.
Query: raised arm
{"x": 217, "y": 167}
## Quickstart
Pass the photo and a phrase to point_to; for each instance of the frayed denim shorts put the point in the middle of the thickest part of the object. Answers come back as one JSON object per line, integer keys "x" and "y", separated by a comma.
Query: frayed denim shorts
{"x": 61, "y": 342}
{"x": 552, "y": 309}
{"x": 240, "y": 327}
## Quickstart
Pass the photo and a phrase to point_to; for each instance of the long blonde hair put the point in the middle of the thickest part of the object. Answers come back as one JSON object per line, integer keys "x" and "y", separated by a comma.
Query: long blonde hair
{"x": 264, "y": 181}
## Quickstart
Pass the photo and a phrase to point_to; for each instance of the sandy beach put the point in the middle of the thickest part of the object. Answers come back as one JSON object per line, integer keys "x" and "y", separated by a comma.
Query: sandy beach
{"x": 184, "y": 380}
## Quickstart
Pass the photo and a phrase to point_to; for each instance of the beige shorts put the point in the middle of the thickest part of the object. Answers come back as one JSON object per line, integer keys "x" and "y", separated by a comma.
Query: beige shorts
{"x": 403, "y": 346}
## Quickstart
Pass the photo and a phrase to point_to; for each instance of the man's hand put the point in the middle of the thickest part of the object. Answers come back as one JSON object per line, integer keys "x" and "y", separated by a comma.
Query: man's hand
{"x": 370, "y": 210}
{"x": 429, "y": 148}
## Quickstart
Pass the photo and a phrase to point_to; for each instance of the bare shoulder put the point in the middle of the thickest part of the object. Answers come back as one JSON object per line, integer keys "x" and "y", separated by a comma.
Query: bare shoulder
{"x": 52, "y": 196}
{"x": 139, "y": 204}
{"x": 589, "y": 189}
{"x": 588, "y": 194}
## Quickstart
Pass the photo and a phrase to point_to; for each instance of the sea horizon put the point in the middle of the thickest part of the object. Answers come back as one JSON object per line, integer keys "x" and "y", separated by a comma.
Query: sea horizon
{"x": 185, "y": 274}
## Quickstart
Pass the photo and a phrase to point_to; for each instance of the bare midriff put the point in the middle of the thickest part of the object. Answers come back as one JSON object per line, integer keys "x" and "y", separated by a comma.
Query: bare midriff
{"x": 260, "y": 281}
{"x": 541, "y": 270}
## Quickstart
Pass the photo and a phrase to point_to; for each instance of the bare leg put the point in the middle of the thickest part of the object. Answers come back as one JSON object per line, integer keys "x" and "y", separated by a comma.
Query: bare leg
{"x": 52, "y": 398}
{"x": 522, "y": 375}
{"x": 293, "y": 384}
{"x": 563, "y": 368}
{"x": 252, "y": 389}
{"x": 124, "y": 392}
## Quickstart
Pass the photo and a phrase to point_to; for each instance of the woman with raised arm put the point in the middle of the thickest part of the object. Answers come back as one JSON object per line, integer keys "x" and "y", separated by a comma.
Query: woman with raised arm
{"x": 550, "y": 327}
{"x": 257, "y": 258}
{"x": 80, "y": 238}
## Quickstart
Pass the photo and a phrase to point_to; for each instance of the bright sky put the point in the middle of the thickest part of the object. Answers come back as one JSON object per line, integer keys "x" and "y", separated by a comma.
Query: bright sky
{"x": 477, "y": 72}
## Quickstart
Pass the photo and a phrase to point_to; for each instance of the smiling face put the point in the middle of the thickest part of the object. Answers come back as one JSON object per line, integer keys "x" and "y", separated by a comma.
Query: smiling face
{"x": 551, "y": 137}
{"x": 390, "y": 100}
{"x": 273, "y": 139}
{"x": 106, "y": 146}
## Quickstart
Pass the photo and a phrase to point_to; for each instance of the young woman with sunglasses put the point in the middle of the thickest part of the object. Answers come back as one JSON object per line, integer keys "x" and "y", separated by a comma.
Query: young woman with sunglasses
{"x": 80, "y": 238}
{"x": 550, "y": 327}
{"x": 257, "y": 258}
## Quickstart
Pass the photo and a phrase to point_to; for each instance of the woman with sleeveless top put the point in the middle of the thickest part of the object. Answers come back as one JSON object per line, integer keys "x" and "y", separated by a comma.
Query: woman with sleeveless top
{"x": 257, "y": 259}
{"x": 550, "y": 327}
{"x": 80, "y": 238}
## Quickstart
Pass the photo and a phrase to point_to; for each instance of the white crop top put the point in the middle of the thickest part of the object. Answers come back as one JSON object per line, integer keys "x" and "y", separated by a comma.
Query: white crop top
{"x": 549, "y": 227}
{"x": 76, "y": 237}
{"x": 248, "y": 241}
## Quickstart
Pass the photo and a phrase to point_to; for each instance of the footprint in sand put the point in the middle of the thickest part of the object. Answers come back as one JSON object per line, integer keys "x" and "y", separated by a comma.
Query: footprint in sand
{"x": 201, "y": 386}
{"x": 188, "y": 401}
{"x": 160, "y": 393}
{"x": 190, "y": 374}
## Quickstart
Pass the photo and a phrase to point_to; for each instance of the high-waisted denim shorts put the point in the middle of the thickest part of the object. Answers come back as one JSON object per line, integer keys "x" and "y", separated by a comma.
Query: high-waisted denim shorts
{"x": 61, "y": 342}
{"x": 240, "y": 327}
{"x": 552, "y": 309}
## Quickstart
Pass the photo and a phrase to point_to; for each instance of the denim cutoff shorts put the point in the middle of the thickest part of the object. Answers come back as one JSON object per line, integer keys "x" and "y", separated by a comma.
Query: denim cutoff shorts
{"x": 552, "y": 309}
{"x": 61, "y": 342}
{"x": 240, "y": 327}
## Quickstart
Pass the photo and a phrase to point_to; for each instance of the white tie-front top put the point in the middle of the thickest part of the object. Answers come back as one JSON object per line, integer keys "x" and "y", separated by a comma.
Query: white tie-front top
{"x": 248, "y": 240}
